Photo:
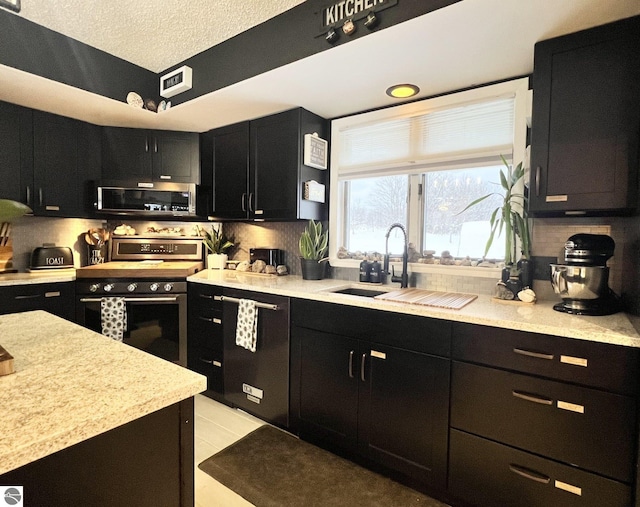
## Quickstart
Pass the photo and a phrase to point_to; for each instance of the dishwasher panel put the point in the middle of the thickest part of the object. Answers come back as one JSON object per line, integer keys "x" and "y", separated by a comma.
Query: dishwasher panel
{"x": 258, "y": 382}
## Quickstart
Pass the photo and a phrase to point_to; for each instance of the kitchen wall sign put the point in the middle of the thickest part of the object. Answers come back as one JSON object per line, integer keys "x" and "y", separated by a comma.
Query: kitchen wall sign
{"x": 176, "y": 81}
{"x": 338, "y": 12}
{"x": 315, "y": 151}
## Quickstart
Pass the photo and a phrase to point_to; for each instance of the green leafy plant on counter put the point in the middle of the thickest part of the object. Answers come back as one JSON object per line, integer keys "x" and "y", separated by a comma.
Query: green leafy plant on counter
{"x": 508, "y": 216}
{"x": 215, "y": 241}
{"x": 314, "y": 242}
{"x": 10, "y": 210}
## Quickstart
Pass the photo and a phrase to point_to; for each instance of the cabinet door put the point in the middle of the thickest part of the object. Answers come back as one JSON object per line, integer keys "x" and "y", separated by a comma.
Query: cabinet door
{"x": 55, "y": 156}
{"x": 226, "y": 155}
{"x": 403, "y": 412}
{"x": 176, "y": 156}
{"x": 126, "y": 154}
{"x": 489, "y": 474}
{"x": 16, "y": 153}
{"x": 329, "y": 380}
{"x": 561, "y": 421}
{"x": 89, "y": 167}
{"x": 586, "y": 119}
{"x": 56, "y": 298}
{"x": 273, "y": 174}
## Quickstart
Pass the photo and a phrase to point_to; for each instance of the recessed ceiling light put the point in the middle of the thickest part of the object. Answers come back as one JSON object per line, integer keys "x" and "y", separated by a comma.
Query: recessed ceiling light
{"x": 402, "y": 91}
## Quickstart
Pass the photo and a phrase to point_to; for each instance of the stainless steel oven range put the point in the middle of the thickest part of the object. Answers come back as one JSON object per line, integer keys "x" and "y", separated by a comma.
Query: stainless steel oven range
{"x": 147, "y": 274}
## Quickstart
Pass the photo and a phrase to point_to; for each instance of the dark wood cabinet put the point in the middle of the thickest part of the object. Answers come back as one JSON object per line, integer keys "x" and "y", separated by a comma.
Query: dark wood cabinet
{"x": 225, "y": 159}
{"x": 16, "y": 153}
{"x": 258, "y": 168}
{"x": 489, "y": 474}
{"x": 56, "y": 298}
{"x": 150, "y": 155}
{"x": 357, "y": 392}
{"x": 585, "y": 134}
{"x": 66, "y": 162}
{"x": 205, "y": 352}
{"x": 557, "y": 416}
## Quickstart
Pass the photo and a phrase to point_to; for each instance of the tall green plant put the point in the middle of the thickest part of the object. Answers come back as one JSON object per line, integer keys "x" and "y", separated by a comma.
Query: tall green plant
{"x": 506, "y": 217}
{"x": 215, "y": 241}
{"x": 313, "y": 242}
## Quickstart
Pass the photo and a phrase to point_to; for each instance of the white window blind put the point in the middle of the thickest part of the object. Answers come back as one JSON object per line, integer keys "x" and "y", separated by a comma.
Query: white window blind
{"x": 475, "y": 133}
{"x": 483, "y": 126}
{"x": 385, "y": 141}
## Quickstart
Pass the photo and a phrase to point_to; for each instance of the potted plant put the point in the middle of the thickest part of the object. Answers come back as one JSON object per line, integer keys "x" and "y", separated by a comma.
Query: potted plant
{"x": 217, "y": 245}
{"x": 510, "y": 217}
{"x": 313, "y": 246}
{"x": 9, "y": 211}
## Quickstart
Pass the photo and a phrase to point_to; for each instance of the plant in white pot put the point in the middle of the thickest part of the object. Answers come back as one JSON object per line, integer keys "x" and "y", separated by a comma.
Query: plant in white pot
{"x": 313, "y": 245}
{"x": 217, "y": 245}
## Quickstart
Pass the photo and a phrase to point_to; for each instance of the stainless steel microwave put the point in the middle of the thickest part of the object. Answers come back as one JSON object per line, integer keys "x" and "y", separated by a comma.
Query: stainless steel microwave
{"x": 147, "y": 198}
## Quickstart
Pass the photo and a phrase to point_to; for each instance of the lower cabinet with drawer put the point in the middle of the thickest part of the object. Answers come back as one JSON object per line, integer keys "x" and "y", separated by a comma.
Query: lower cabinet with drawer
{"x": 538, "y": 420}
{"x": 374, "y": 384}
{"x": 205, "y": 348}
{"x": 56, "y": 298}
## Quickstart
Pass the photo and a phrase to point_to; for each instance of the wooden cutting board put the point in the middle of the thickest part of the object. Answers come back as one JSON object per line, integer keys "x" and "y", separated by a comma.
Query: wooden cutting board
{"x": 449, "y": 300}
{"x": 6, "y": 362}
{"x": 135, "y": 269}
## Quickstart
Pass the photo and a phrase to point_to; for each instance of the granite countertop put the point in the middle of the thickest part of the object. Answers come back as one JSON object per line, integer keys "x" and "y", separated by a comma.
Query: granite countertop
{"x": 72, "y": 384}
{"x": 41, "y": 276}
{"x": 540, "y": 317}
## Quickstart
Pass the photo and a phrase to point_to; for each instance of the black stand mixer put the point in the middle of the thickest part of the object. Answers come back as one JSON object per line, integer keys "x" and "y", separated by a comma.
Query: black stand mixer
{"x": 583, "y": 280}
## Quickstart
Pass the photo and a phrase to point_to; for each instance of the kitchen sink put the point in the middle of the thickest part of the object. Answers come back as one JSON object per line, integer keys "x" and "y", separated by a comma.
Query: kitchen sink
{"x": 359, "y": 291}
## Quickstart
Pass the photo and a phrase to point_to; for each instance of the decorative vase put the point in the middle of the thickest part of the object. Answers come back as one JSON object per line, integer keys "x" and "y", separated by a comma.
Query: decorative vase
{"x": 217, "y": 261}
{"x": 312, "y": 269}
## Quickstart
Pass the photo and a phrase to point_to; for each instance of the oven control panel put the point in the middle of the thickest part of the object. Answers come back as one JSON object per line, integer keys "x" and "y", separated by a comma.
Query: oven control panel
{"x": 124, "y": 287}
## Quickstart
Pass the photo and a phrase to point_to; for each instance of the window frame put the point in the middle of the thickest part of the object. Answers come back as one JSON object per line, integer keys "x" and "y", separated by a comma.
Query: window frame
{"x": 517, "y": 88}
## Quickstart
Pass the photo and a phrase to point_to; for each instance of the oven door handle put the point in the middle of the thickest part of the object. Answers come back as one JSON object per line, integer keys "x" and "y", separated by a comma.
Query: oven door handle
{"x": 157, "y": 299}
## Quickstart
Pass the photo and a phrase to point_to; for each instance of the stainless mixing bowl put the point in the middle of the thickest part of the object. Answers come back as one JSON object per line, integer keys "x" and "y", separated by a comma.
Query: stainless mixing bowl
{"x": 580, "y": 282}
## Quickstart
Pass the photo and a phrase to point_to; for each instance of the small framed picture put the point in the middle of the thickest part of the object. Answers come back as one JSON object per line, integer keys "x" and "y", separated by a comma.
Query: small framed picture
{"x": 14, "y": 5}
{"x": 315, "y": 151}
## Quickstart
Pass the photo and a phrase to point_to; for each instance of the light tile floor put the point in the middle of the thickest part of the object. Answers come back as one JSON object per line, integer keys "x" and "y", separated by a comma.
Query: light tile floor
{"x": 217, "y": 426}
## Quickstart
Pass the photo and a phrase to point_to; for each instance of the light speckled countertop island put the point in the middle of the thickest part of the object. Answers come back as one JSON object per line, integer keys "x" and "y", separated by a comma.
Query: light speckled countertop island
{"x": 540, "y": 317}
{"x": 72, "y": 384}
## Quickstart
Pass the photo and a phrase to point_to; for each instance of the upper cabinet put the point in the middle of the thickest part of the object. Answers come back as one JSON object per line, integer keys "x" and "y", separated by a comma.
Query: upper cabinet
{"x": 150, "y": 155}
{"x": 66, "y": 162}
{"x": 257, "y": 168}
{"x": 586, "y": 122}
{"x": 16, "y": 152}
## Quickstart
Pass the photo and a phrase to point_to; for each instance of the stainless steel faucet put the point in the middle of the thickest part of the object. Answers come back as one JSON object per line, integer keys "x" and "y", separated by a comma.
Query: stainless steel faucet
{"x": 404, "y": 277}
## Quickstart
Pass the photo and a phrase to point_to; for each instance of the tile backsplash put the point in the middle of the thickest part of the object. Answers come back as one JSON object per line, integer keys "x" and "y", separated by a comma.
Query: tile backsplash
{"x": 548, "y": 238}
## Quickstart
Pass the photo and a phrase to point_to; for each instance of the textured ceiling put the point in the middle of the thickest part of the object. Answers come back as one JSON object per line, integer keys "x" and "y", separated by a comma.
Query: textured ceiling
{"x": 154, "y": 34}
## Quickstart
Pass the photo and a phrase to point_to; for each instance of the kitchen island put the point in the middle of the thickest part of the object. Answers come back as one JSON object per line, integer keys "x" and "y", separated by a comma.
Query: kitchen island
{"x": 90, "y": 421}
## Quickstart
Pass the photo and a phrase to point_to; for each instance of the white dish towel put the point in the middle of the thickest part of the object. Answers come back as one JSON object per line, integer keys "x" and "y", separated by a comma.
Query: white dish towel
{"x": 113, "y": 317}
{"x": 247, "y": 325}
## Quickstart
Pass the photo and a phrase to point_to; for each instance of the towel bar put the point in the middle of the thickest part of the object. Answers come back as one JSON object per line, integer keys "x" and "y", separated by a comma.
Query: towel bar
{"x": 266, "y": 306}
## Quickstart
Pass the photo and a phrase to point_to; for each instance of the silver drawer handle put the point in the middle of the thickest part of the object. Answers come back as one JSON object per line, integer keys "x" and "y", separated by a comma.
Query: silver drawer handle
{"x": 529, "y": 474}
{"x": 266, "y": 306}
{"x": 351, "y": 364}
{"x": 532, "y": 398}
{"x": 531, "y": 353}
{"x": 209, "y": 319}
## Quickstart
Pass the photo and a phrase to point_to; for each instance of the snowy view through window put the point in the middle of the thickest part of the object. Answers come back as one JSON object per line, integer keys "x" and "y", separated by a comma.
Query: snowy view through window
{"x": 376, "y": 203}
